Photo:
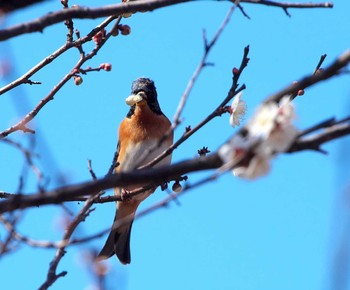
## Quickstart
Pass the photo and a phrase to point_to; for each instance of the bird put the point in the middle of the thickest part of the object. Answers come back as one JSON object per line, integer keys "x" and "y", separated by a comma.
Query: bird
{"x": 143, "y": 127}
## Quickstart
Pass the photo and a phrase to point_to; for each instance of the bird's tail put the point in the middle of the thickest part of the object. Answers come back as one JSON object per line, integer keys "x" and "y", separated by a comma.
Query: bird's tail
{"x": 118, "y": 241}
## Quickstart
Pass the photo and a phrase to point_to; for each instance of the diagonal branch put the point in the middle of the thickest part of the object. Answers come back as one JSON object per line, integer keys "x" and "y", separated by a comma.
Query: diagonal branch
{"x": 47, "y": 60}
{"x": 22, "y": 124}
{"x": 332, "y": 70}
{"x": 203, "y": 63}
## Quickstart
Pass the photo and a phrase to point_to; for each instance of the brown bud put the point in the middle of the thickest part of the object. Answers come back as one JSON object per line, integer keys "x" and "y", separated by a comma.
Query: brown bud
{"x": 124, "y": 29}
{"x": 177, "y": 187}
{"x": 98, "y": 37}
{"x": 301, "y": 92}
{"x": 106, "y": 66}
{"x": 78, "y": 80}
{"x": 235, "y": 71}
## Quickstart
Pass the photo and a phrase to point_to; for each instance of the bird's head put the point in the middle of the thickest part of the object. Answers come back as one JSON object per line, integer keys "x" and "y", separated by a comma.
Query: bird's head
{"x": 143, "y": 91}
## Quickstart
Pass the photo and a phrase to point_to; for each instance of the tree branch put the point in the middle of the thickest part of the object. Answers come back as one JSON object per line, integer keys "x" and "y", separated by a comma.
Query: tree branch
{"x": 39, "y": 24}
{"x": 286, "y": 5}
{"x": 332, "y": 70}
{"x": 157, "y": 175}
{"x": 202, "y": 64}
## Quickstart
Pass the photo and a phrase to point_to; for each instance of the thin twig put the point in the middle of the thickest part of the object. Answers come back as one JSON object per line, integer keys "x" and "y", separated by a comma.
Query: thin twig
{"x": 92, "y": 173}
{"x": 201, "y": 65}
{"x": 28, "y": 155}
{"x": 286, "y": 5}
{"x": 322, "y": 58}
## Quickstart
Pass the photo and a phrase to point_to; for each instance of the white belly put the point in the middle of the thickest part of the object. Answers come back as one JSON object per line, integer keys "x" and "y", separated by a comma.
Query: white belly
{"x": 139, "y": 155}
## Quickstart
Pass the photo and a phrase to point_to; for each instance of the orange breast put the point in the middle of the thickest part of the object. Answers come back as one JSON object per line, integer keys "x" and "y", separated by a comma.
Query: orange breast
{"x": 143, "y": 126}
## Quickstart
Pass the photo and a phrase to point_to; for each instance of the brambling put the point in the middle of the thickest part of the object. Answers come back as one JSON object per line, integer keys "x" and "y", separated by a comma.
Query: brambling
{"x": 143, "y": 127}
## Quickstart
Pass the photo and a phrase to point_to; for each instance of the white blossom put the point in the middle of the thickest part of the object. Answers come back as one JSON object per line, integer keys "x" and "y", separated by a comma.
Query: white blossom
{"x": 269, "y": 132}
{"x": 273, "y": 124}
{"x": 258, "y": 166}
{"x": 237, "y": 110}
{"x": 263, "y": 121}
{"x": 234, "y": 150}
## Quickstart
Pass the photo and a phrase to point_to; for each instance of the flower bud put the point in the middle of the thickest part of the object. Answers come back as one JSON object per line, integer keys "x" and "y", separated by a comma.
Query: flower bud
{"x": 235, "y": 71}
{"x": 106, "y": 66}
{"x": 124, "y": 29}
{"x": 78, "y": 80}
{"x": 177, "y": 187}
{"x": 98, "y": 37}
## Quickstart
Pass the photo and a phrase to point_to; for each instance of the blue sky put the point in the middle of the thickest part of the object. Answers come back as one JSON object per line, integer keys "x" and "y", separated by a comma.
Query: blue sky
{"x": 278, "y": 232}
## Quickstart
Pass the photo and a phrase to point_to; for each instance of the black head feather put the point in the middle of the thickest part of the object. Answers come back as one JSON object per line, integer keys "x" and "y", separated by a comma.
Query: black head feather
{"x": 147, "y": 86}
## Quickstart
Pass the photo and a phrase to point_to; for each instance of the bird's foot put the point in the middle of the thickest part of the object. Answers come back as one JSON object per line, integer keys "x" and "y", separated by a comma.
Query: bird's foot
{"x": 124, "y": 195}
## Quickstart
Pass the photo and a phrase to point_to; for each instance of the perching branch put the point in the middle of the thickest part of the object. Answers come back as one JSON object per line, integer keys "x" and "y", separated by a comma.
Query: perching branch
{"x": 157, "y": 175}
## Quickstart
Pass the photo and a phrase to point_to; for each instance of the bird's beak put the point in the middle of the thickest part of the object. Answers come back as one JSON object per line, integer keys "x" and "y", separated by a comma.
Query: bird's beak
{"x": 134, "y": 99}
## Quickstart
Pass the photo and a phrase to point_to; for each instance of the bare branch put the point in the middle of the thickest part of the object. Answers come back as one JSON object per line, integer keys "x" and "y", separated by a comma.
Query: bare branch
{"x": 202, "y": 64}
{"x": 334, "y": 69}
{"x": 28, "y": 157}
{"x": 329, "y": 133}
{"x": 157, "y": 175}
{"x": 39, "y": 24}
{"x": 92, "y": 173}
{"x": 286, "y": 5}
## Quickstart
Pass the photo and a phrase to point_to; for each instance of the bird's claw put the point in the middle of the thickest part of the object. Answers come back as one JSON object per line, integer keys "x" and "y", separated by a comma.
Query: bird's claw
{"x": 124, "y": 195}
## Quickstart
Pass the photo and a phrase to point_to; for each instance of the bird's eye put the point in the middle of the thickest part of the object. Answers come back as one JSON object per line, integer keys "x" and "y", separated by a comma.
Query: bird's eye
{"x": 143, "y": 95}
